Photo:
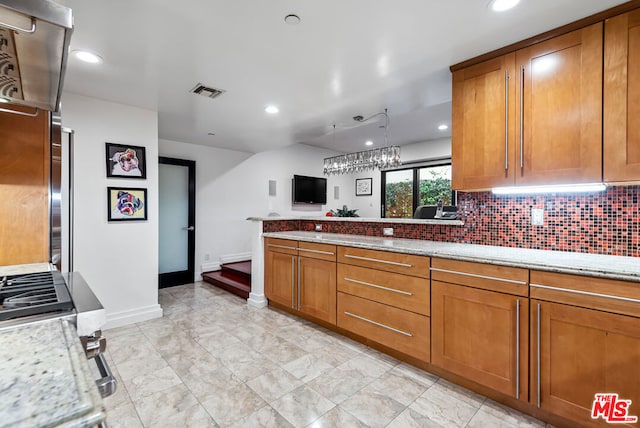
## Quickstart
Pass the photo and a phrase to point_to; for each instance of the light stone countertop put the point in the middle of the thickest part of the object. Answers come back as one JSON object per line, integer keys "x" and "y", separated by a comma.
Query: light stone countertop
{"x": 22, "y": 269}
{"x": 45, "y": 378}
{"x": 612, "y": 267}
{"x": 365, "y": 220}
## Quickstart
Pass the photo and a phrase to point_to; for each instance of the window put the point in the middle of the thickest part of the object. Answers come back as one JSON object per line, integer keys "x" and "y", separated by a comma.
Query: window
{"x": 403, "y": 190}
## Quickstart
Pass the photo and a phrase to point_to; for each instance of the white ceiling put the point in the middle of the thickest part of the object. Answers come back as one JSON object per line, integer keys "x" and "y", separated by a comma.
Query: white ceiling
{"x": 346, "y": 58}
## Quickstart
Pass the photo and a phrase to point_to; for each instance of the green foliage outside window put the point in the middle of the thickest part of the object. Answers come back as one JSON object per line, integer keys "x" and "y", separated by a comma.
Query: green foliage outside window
{"x": 434, "y": 184}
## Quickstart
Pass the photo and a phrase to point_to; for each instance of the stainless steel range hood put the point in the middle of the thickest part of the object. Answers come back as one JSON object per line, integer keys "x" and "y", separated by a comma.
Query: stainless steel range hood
{"x": 34, "y": 46}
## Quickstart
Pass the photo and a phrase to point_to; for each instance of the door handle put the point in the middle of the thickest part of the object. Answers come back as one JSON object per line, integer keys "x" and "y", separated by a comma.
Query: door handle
{"x": 190, "y": 228}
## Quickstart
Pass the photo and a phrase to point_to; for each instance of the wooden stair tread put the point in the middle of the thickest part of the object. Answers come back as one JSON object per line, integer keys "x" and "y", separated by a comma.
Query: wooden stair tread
{"x": 238, "y": 268}
{"x": 233, "y": 277}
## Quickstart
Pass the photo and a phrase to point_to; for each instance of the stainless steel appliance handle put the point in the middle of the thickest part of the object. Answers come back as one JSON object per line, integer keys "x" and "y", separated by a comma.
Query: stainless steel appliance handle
{"x": 18, "y": 29}
{"x": 329, "y": 253}
{"x": 586, "y": 293}
{"x": 506, "y": 120}
{"x": 107, "y": 384}
{"x": 293, "y": 281}
{"x": 377, "y": 260}
{"x": 378, "y": 324}
{"x": 368, "y": 284}
{"x": 522, "y": 118}
{"x": 298, "y": 283}
{"x": 21, "y": 113}
{"x": 518, "y": 349}
{"x": 281, "y": 246}
{"x": 538, "y": 354}
{"x": 473, "y": 275}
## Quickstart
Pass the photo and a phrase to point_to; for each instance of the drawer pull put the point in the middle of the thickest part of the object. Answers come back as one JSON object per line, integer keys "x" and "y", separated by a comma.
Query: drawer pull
{"x": 406, "y": 293}
{"x": 586, "y": 293}
{"x": 316, "y": 251}
{"x": 378, "y": 324}
{"x": 281, "y": 246}
{"x": 513, "y": 281}
{"x": 349, "y": 256}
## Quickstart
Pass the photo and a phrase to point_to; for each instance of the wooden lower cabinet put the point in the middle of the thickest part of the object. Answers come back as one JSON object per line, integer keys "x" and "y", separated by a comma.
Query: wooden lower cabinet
{"x": 280, "y": 277}
{"x": 481, "y": 335}
{"x": 582, "y": 352}
{"x": 404, "y": 331}
{"x": 317, "y": 288}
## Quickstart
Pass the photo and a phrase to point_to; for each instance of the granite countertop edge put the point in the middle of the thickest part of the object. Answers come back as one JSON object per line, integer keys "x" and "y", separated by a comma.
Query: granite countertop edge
{"x": 452, "y": 222}
{"x": 595, "y": 265}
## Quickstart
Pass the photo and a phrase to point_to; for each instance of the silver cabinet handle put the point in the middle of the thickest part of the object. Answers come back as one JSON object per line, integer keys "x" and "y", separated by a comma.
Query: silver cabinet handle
{"x": 349, "y": 256}
{"x": 506, "y": 120}
{"x": 538, "y": 355}
{"x": 586, "y": 293}
{"x": 281, "y": 246}
{"x": 406, "y": 293}
{"x": 107, "y": 384}
{"x": 21, "y": 113}
{"x": 298, "y": 283}
{"x": 316, "y": 251}
{"x": 522, "y": 118}
{"x": 378, "y": 324}
{"x": 293, "y": 282}
{"x": 517, "y": 349}
{"x": 21, "y": 30}
{"x": 473, "y": 275}
{"x": 190, "y": 228}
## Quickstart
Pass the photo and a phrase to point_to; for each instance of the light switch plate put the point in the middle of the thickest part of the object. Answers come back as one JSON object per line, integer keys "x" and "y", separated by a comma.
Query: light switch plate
{"x": 387, "y": 231}
{"x": 537, "y": 216}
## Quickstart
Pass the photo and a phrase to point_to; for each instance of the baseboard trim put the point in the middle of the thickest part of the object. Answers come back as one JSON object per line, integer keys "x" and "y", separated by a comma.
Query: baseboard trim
{"x": 208, "y": 267}
{"x": 257, "y": 300}
{"x": 132, "y": 316}
{"x": 232, "y": 258}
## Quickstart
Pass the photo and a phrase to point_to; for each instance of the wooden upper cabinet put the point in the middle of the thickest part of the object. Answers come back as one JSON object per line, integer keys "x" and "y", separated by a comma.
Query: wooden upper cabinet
{"x": 622, "y": 98}
{"x": 24, "y": 187}
{"x": 483, "y": 124}
{"x": 559, "y": 120}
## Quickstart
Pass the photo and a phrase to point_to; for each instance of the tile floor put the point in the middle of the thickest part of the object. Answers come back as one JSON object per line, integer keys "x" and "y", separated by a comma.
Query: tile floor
{"x": 214, "y": 361}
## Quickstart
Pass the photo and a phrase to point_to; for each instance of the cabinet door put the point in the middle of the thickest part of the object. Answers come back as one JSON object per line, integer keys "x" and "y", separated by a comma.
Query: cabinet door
{"x": 483, "y": 125}
{"x": 317, "y": 288}
{"x": 582, "y": 352}
{"x": 280, "y": 277}
{"x": 24, "y": 188}
{"x": 559, "y": 98}
{"x": 481, "y": 335}
{"x": 622, "y": 97}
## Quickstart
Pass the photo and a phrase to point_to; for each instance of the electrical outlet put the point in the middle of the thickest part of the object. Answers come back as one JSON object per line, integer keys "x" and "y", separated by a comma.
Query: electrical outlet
{"x": 387, "y": 231}
{"x": 537, "y": 216}
{"x": 207, "y": 257}
{"x": 318, "y": 228}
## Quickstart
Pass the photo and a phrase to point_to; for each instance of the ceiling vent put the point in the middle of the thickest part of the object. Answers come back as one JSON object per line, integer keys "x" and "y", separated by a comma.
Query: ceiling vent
{"x": 207, "y": 91}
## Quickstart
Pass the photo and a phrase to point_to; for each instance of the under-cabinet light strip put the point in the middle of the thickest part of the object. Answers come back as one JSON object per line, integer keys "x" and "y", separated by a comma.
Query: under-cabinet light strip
{"x": 552, "y": 188}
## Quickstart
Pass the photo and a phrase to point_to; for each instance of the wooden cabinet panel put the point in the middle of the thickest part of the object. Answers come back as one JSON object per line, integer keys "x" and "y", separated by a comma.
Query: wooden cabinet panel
{"x": 483, "y": 125}
{"x": 402, "y": 330}
{"x": 481, "y": 335}
{"x": 317, "y": 251}
{"x": 286, "y": 246}
{"x": 24, "y": 188}
{"x": 582, "y": 352}
{"x": 560, "y": 124}
{"x": 406, "y": 264}
{"x": 622, "y": 98}
{"x": 503, "y": 279}
{"x": 280, "y": 277}
{"x": 317, "y": 288}
{"x": 402, "y": 291}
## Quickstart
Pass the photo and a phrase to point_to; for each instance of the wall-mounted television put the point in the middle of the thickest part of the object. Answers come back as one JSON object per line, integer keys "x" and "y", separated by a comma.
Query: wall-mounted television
{"x": 309, "y": 190}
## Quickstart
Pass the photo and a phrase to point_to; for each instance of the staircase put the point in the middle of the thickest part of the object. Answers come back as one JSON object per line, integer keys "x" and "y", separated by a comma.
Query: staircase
{"x": 233, "y": 277}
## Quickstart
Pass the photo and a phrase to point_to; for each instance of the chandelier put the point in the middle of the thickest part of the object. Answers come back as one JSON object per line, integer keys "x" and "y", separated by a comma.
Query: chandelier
{"x": 366, "y": 160}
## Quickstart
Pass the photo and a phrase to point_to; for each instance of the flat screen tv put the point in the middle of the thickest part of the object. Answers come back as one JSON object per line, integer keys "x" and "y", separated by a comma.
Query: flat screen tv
{"x": 309, "y": 190}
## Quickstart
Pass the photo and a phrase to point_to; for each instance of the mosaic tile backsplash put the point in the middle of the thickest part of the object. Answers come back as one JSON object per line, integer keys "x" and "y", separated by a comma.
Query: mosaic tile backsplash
{"x": 597, "y": 223}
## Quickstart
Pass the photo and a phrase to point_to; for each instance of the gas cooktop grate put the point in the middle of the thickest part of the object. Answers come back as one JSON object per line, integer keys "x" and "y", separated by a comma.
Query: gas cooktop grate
{"x": 33, "y": 294}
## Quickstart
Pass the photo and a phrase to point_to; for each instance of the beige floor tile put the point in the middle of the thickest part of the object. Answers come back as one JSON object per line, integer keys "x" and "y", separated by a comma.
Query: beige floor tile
{"x": 146, "y": 384}
{"x": 273, "y": 385}
{"x": 411, "y": 419}
{"x": 173, "y": 407}
{"x": 376, "y": 410}
{"x": 302, "y": 406}
{"x": 124, "y": 416}
{"x": 398, "y": 386}
{"x": 232, "y": 404}
{"x": 337, "y": 417}
{"x": 307, "y": 367}
{"x": 499, "y": 416}
{"x": 282, "y": 351}
{"x": 266, "y": 417}
{"x": 444, "y": 407}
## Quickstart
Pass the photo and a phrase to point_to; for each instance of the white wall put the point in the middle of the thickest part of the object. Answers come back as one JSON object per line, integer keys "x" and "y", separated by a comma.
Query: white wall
{"x": 118, "y": 260}
{"x": 232, "y": 186}
{"x": 369, "y": 206}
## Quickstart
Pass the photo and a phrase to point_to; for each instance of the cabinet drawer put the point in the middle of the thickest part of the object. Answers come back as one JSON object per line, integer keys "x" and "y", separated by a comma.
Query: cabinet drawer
{"x": 286, "y": 246}
{"x": 402, "y": 291}
{"x": 401, "y": 330}
{"x": 593, "y": 293}
{"x": 317, "y": 251}
{"x": 502, "y": 279}
{"x": 407, "y": 264}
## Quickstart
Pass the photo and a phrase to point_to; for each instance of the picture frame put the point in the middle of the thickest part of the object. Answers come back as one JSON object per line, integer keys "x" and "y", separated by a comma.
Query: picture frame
{"x": 364, "y": 186}
{"x": 126, "y": 204}
{"x": 126, "y": 161}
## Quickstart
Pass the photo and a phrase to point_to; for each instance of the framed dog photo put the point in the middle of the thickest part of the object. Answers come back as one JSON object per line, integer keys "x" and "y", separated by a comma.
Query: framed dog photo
{"x": 126, "y": 204}
{"x": 126, "y": 161}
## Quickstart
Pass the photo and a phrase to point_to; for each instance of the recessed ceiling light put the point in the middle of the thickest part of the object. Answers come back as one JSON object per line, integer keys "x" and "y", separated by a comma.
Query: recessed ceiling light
{"x": 443, "y": 127}
{"x": 292, "y": 19}
{"x": 272, "y": 109}
{"x": 369, "y": 143}
{"x": 502, "y": 5}
{"x": 87, "y": 56}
